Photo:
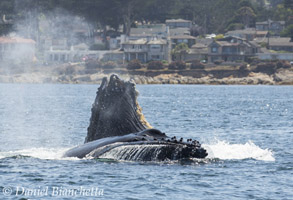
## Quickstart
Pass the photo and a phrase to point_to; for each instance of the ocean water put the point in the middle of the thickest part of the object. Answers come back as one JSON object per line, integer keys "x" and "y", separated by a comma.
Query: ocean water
{"x": 247, "y": 131}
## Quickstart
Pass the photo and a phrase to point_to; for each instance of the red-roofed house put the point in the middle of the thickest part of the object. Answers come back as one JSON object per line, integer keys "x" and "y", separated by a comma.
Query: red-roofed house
{"x": 17, "y": 49}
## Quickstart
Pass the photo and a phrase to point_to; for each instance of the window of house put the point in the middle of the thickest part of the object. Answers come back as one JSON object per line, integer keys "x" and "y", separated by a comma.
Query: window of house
{"x": 155, "y": 57}
{"x": 56, "y": 57}
{"x": 155, "y": 47}
{"x": 214, "y": 49}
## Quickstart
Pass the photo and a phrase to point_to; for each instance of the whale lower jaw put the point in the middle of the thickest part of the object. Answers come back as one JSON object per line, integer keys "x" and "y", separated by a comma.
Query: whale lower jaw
{"x": 150, "y": 151}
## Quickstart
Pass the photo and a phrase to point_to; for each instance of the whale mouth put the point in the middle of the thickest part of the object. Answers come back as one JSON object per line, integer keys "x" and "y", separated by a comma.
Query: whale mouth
{"x": 116, "y": 111}
{"x": 119, "y": 130}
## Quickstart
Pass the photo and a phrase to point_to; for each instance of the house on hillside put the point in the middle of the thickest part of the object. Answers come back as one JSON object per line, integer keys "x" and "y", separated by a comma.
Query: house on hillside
{"x": 149, "y": 31}
{"x": 178, "y": 23}
{"x": 146, "y": 50}
{"x": 17, "y": 49}
{"x": 186, "y": 39}
{"x": 77, "y": 53}
{"x": 197, "y": 52}
{"x": 231, "y": 49}
{"x": 276, "y": 27}
{"x": 181, "y": 35}
{"x": 248, "y": 34}
{"x": 281, "y": 44}
{"x": 113, "y": 55}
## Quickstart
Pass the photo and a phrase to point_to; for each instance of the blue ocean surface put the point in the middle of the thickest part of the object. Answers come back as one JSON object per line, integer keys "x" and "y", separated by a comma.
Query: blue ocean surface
{"x": 247, "y": 130}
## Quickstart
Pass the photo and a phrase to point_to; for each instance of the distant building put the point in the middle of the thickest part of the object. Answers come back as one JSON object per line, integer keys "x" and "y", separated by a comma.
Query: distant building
{"x": 179, "y": 31}
{"x": 55, "y": 44}
{"x": 181, "y": 35}
{"x": 186, "y": 39}
{"x": 276, "y": 27}
{"x": 116, "y": 43}
{"x": 146, "y": 50}
{"x": 178, "y": 23}
{"x": 17, "y": 49}
{"x": 114, "y": 55}
{"x": 281, "y": 44}
{"x": 160, "y": 31}
{"x": 76, "y": 53}
{"x": 248, "y": 33}
{"x": 231, "y": 49}
{"x": 197, "y": 52}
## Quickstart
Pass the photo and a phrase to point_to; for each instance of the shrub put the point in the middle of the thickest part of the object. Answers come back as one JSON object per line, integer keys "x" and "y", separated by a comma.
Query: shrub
{"x": 283, "y": 64}
{"x": 92, "y": 64}
{"x": 268, "y": 68}
{"x": 157, "y": 65}
{"x": 218, "y": 62}
{"x": 220, "y": 36}
{"x": 177, "y": 65}
{"x": 109, "y": 65}
{"x": 165, "y": 62}
{"x": 243, "y": 68}
{"x": 251, "y": 59}
{"x": 134, "y": 64}
{"x": 196, "y": 65}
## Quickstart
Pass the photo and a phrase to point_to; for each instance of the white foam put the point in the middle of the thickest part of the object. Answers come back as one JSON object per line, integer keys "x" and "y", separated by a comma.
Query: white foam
{"x": 225, "y": 151}
{"x": 41, "y": 153}
{"x": 220, "y": 149}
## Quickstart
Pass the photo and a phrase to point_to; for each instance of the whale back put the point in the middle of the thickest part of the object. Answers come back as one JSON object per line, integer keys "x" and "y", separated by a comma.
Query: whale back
{"x": 115, "y": 111}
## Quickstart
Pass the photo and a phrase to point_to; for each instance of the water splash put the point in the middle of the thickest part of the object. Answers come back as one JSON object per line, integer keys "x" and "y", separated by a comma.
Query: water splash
{"x": 220, "y": 149}
{"x": 225, "y": 151}
{"x": 41, "y": 153}
{"x": 133, "y": 152}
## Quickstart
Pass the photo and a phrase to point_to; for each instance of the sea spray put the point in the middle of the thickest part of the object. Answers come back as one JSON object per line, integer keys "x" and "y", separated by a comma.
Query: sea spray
{"x": 40, "y": 153}
{"x": 225, "y": 151}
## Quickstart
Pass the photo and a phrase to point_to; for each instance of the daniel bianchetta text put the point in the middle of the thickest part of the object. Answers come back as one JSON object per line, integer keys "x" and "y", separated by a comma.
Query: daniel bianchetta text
{"x": 53, "y": 191}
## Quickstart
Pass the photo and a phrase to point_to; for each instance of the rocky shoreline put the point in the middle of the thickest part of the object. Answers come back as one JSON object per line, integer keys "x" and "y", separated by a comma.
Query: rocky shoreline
{"x": 78, "y": 74}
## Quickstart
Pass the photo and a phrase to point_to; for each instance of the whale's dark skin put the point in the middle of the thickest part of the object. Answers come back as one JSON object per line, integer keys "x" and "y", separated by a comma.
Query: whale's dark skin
{"x": 159, "y": 147}
{"x": 118, "y": 128}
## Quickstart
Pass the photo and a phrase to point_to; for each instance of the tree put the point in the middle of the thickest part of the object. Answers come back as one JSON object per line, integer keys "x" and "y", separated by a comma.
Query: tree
{"x": 179, "y": 50}
{"x": 288, "y": 31}
{"x": 6, "y": 11}
{"x": 130, "y": 11}
{"x": 282, "y": 13}
{"x": 288, "y": 4}
{"x": 246, "y": 14}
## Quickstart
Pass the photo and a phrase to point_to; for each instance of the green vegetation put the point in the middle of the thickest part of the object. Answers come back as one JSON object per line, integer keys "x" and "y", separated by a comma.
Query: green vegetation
{"x": 288, "y": 32}
{"x": 212, "y": 15}
{"x": 220, "y": 36}
{"x": 155, "y": 65}
{"x": 177, "y": 65}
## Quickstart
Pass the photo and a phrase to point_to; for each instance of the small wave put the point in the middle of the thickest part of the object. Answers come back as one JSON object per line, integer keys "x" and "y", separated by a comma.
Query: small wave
{"x": 225, "y": 151}
{"x": 40, "y": 153}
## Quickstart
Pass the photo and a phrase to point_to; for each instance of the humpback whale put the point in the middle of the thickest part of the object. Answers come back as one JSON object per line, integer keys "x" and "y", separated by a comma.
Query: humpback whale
{"x": 119, "y": 130}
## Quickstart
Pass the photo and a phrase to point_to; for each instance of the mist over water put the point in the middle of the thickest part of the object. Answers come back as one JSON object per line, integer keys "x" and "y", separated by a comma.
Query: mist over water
{"x": 34, "y": 34}
{"x": 246, "y": 130}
